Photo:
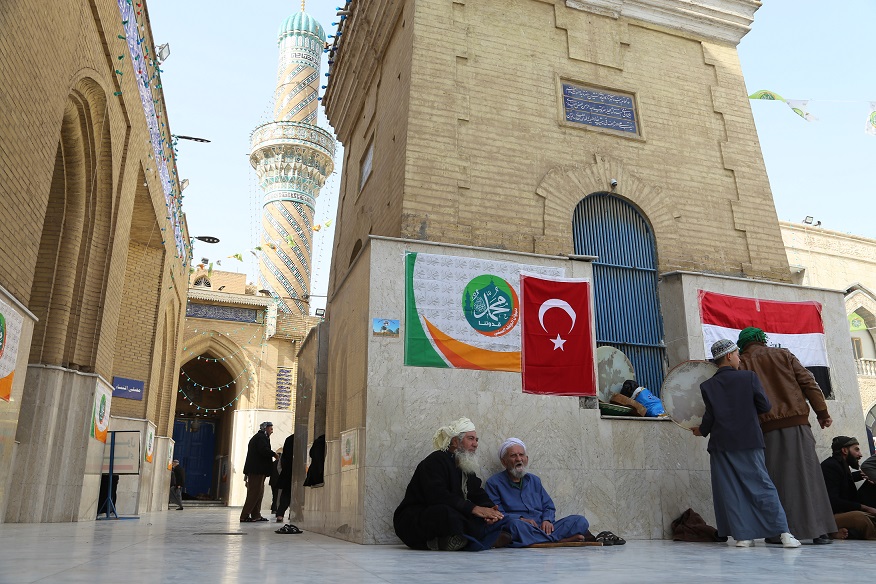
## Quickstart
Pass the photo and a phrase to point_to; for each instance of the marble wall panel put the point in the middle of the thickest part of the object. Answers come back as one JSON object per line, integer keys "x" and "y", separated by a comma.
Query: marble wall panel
{"x": 10, "y": 410}
{"x": 384, "y": 490}
{"x": 700, "y": 495}
{"x": 386, "y": 415}
{"x": 632, "y": 477}
{"x": 597, "y": 436}
{"x": 637, "y": 503}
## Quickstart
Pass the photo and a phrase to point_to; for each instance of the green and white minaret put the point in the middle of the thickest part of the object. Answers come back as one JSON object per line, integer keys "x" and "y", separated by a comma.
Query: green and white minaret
{"x": 292, "y": 157}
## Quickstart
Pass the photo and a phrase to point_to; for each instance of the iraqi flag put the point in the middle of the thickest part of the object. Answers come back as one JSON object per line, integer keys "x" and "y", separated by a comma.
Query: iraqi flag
{"x": 557, "y": 347}
{"x": 796, "y": 326}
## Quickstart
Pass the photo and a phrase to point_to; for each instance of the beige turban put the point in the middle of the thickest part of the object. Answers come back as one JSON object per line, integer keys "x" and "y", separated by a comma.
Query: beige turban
{"x": 441, "y": 439}
{"x": 508, "y": 444}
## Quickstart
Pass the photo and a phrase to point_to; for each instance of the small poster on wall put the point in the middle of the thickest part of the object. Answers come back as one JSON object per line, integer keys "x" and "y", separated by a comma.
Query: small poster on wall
{"x": 170, "y": 455}
{"x": 100, "y": 414}
{"x": 349, "y": 449}
{"x": 10, "y": 333}
{"x": 385, "y": 327}
{"x": 150, "y": 444}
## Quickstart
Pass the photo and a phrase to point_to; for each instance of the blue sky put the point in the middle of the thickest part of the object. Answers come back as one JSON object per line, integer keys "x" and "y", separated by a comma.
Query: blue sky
{"x": 221, "y": 72}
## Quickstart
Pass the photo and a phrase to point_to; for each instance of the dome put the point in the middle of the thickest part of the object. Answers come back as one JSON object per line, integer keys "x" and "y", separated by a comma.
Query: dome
{"x": 301, "y": 23}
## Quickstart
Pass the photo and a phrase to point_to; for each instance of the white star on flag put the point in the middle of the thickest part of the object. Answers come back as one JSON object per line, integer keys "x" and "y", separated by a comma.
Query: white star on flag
{"x": 558, "y": 343}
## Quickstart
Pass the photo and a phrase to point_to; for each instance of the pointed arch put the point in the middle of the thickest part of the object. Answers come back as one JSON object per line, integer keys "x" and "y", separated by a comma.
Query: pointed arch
{"x": 563, "y": 187}
{"x": 73, "y": 258}
{"x": 219, "y": 344}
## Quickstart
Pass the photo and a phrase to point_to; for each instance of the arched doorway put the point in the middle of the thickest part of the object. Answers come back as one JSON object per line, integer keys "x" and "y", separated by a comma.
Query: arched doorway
{"x": 627, "y": 308}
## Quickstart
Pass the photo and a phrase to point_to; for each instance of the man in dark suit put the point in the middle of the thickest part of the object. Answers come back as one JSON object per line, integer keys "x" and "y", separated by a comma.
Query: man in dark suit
{"x": 257, "y": 467}
{"x": 177, "y": 484}
{"x": 746, "y": 502}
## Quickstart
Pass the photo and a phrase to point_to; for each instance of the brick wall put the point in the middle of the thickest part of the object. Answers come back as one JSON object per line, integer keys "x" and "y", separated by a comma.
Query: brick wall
{"x": 484, "y": 131}
{"x": 86, "y": 249}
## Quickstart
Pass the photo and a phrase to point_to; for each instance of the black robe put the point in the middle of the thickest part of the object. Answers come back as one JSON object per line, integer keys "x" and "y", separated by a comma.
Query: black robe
{"x": 434, "y": 505}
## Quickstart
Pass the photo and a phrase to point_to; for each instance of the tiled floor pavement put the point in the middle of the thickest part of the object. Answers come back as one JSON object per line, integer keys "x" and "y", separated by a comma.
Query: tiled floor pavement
{"x": 194, "y": 546}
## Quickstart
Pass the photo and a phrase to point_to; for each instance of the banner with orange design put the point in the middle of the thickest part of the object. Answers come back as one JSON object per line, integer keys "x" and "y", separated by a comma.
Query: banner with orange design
{"x": 10, "y": 333}
{"x": 100, "y": 414}
{"x": 463, "y": 312}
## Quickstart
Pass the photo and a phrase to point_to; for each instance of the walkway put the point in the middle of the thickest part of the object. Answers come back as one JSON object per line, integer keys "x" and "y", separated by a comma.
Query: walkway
{"x": 210, "y": 545}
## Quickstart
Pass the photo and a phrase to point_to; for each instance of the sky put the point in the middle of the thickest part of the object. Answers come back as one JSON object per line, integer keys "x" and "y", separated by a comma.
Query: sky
{"x": 219, "y": 80}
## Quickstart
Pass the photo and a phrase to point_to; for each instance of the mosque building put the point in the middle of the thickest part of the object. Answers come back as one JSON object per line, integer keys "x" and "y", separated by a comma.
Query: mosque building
{"x": 595, "y": 139}
{"x": 240, "y": 341}
{"x": 96, "y": 255}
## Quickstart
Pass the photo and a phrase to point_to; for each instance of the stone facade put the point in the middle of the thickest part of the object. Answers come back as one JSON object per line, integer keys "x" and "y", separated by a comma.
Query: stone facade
{"x": 633, "y": 476}
{"x": 459, "y": 108}
{"x": 840, "y": 261}
{"x": 239, "y": 367}
{"x": 96, "y": 247}
{"x": 476, "y": 129}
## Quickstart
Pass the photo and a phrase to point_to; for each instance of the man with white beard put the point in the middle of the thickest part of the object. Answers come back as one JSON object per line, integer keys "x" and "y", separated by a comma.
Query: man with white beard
{"x": 445, "y": 507}
{"x": 521, "y": 497}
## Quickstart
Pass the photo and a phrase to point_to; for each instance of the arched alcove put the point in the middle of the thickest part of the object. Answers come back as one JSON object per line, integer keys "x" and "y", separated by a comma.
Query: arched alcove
{"x": 72, "y": 263}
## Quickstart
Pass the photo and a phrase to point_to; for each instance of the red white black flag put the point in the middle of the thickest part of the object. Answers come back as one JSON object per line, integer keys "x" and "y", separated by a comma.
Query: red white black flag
{"x": 796, "y": 326}
{"x": 557, "y": 347}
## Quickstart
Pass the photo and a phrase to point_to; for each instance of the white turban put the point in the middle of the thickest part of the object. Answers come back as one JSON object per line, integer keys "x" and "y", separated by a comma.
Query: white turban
{"x": 508, "y": 444}
{"x": 441, "y": 439}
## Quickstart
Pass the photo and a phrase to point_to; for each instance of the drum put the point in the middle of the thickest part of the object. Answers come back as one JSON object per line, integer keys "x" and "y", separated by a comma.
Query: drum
{"x": 681, "y": 395}
{"x": 612, "y": 369}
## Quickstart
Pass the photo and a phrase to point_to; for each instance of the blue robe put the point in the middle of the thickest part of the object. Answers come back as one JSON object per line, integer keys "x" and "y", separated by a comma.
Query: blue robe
{"x": 531, "y": 502}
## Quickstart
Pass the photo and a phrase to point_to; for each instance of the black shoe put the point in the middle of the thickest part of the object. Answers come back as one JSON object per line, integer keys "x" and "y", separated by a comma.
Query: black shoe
{"x": 773, "y": 540}
{"x": 179, "y": 508}
{"x": 822, "y": 540}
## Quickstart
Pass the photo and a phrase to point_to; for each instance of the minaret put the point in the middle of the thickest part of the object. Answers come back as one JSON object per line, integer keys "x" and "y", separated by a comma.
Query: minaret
{"x": 292, "y": 158}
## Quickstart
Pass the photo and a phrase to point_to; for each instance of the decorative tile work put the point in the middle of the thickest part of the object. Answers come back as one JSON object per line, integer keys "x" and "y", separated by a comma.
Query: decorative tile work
{"x": 600, "y": 108}
{"x": 284, "y": 387}
{"x": 231, "y": 313}
{"x": 160, "y": 139}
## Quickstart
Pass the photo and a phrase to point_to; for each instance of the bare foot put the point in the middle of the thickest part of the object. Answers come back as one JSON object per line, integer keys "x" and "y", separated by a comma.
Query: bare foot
{"x": 843, "y": 533}
{"x": 573, "y": 538}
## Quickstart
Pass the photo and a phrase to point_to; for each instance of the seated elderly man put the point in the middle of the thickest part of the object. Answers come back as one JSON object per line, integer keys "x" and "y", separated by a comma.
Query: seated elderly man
{"x": 445, "y": 507}
{"x": 521, "y": 497}
{"x": 853, "y": 518}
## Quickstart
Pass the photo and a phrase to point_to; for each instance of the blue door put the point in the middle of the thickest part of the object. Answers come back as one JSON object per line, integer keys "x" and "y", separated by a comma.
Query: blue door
{"x": 627, "y": 310}
{"x": 194, "y": 445}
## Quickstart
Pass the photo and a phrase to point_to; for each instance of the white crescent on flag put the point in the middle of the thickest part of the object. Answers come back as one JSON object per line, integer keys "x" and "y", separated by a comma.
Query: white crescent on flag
{"x": 556, "y": 303}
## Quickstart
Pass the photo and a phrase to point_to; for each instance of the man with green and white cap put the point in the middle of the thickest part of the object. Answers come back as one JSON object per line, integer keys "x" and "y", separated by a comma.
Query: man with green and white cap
{"x": 445, "y": 507}
{"x": 790, "y": 446}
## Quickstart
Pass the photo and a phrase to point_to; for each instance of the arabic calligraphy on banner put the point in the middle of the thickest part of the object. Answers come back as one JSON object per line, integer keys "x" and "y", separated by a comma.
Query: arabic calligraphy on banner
{"x": 464, "y": 312}
{"x": 600, "y": 108}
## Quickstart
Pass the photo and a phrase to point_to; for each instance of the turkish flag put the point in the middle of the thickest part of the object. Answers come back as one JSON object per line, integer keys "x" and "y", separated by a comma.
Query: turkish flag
{"x": 558, "y": 336}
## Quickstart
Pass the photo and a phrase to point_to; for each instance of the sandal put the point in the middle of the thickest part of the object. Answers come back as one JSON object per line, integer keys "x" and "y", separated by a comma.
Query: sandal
{"x": 288, "y": 528}
{"x": 259, "y": 519}
{"x": 608, "y": 538}
{"x": 246, "y": 520}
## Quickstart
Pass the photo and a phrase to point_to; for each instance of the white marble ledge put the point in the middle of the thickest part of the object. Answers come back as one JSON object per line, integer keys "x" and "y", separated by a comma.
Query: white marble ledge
{"x": 634, "y": 419}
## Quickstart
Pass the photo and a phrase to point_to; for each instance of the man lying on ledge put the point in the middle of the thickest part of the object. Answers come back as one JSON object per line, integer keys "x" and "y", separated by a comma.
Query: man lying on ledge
{"x": 522, "y": 498}
{"x": 445, "y": 507}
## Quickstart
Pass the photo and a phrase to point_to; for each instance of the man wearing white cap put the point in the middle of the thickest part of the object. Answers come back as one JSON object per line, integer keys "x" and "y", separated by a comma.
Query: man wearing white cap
{"x": 746, "y": 502}
{"x": 522, "y": 498}
{"x": 445, "y": 507}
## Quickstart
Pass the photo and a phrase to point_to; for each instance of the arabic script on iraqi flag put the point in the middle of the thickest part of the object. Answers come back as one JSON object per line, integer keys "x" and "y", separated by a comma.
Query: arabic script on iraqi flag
{"x": 558, "y": 337}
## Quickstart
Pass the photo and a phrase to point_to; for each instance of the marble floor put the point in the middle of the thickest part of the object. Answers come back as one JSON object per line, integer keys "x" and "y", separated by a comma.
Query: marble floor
{"x": 210, "y": 545}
